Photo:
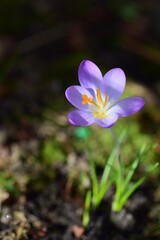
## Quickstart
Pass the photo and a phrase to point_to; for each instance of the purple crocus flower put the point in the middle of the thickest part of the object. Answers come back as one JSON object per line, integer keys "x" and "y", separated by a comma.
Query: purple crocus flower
{"x": 97, "y": 97}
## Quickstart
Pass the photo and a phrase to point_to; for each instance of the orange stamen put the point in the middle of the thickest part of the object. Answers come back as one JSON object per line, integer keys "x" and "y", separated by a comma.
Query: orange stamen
{"x": 99, "y": 102}
{"x": 86, "y": 99}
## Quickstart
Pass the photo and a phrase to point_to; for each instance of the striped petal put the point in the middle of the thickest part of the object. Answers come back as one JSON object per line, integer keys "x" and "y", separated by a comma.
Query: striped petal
{"x": 114, "y": 84}
{"x": 127, "y": 106}
{"x": 107, "y": 122}
{"x": 80, "y": 118}
{"x": 74, "y": 96}
{"x": 89, "y": 75}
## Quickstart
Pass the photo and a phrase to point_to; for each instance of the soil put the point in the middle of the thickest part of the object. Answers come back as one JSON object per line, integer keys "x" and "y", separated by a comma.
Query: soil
{"x": 54, "y": 215}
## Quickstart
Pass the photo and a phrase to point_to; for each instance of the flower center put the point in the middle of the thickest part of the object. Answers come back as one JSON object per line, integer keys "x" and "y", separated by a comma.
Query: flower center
{"x": 97, "y": 106}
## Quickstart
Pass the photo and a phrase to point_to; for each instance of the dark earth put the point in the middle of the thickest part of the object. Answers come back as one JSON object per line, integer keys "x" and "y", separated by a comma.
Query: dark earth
{"x": 51, "y": 215}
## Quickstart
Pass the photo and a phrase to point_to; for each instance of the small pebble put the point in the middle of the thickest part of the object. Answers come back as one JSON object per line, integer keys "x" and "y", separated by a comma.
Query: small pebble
{"x": 123, "y": 220}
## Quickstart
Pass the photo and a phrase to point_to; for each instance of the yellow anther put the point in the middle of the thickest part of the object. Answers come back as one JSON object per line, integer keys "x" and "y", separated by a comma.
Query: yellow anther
{"x": 99, "y": 96}
{"x": 94, "y": 103}
{"x": 105, "y": 101}
{"x": 97, "y": 105}
{"x": 100, "y": 115}
{"x": 99, "y": 102}
{"x": 87, "y": 100}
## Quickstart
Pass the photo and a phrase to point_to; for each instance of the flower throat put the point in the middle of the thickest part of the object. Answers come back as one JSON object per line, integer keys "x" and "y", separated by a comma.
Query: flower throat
{"x": 98, "y": 105}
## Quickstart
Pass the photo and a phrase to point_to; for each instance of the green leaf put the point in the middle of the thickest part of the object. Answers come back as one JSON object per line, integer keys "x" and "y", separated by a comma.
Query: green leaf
{"x": 137, "y": 184}
{"x": 94, "y": 181}
{"x": 87, "y": 205}
{"x": 107, "y": 169}
{"x": 133, "y": 168}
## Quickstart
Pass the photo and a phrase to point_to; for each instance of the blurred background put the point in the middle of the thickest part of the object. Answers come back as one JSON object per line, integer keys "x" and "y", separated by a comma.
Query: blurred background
{"x": 43, "y": 42}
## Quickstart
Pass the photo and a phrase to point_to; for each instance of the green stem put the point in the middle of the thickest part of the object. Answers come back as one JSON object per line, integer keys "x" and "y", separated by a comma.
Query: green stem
{"x": 116, "y": 143}
{"x": 94, "y": 180}
{"x": 118, "y": 150}
{"x": 119, "y": 179}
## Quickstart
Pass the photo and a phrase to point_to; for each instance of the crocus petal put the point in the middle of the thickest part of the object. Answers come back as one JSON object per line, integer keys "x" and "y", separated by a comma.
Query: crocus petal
{"x": 107, "y": 122}
{"x": 127, "y": 106}
{"x": 74, "y": 96}
{"x": 80, "y": 118}
{"x": 114, "y": 84}
{"x": 89, "y": 75}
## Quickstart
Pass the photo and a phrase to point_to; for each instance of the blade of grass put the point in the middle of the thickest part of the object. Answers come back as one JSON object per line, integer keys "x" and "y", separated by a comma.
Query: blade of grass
{"x": 133, "y": 168}
{"x": 137, "y": 184}
{"x": 87, "y": 206}
{"x": 107, "y": 169}
{"x": 109, "y": 164}
{"x": 94, "y": 180}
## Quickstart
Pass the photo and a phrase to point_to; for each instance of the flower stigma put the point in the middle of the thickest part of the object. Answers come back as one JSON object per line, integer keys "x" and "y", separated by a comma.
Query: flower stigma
{"x": 97, "y": 106}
